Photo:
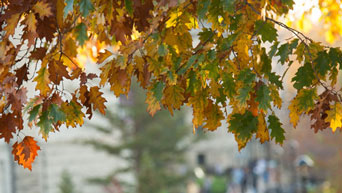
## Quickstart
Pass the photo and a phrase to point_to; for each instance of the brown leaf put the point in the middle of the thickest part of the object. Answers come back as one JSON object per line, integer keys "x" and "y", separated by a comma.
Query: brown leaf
{"x": 97, "y": 100}
{"x": 38, "y": 53}
{"x": 7, "y": 126}
{"x": 60, "y": 11}
{"x": 57, "y": 71}
{"x": 21, "y": 74}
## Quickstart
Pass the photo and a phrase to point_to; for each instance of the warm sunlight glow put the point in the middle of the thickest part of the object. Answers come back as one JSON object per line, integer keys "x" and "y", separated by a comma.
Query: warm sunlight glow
{"x": 89, "y": 51}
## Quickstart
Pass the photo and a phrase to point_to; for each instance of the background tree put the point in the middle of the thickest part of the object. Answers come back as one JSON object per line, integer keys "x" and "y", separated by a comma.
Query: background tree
{"x": 66, "y": 185}
{"x": 226, "y": 76}
{"x": 153, "y": 146}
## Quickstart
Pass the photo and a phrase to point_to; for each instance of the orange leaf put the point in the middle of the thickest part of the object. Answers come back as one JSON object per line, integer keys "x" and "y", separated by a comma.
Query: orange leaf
{"x": 25, "y": 152}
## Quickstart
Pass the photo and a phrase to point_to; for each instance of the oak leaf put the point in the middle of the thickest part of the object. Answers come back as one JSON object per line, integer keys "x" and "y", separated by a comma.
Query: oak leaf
{"x": 173, "y": 97}
{"x": 43, "y": 9}
{"x": 96, "y": 98}
{"x": 31, "y": 22}
{"x": 153, "y": 103}
{"x": 43, "y": 80}
{"x": 25, "y": 152}
{"x": 334, "y": 116}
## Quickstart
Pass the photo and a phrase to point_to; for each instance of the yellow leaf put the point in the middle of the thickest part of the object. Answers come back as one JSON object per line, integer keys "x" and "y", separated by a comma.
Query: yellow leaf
{"x": 294, "y": 112}
{"x": 103, "y": 56}
{"x": 73, "y": 112}
{"x": 277, "y": 101}
{"x": 174, "y": 17}
{"x": 334, "y": 116}
{"x": 105, "y": 74}
{"x": 43, "y": 80}
{"x": 214, "y": 116}
{"x": 241, "y": 142}
{"x": 153, "y": 103}
{"x": 173, "y": 97}
{"x": 43, "y": 9}
{"x": 199, "y": 103}
{"x": 262, "y": 132}
{"x": 31, "y": 22}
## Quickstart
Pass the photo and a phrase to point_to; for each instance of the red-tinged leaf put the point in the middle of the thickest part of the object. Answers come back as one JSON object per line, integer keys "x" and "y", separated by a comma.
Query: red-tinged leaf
{"x": 38, "y": 53}
{"x": 85, "y": 99}
{"x": 17, "y": 99}
{"x": 91, "y": 76}
{"x": 83, "y": 78}
{"x": 57, "y": 70}
{"x": 97, "y": 100}
{"x": 25, "y": 152}
{"x": 43, "y": 9}
{"x": 56, "y": 99}
{"x": 7, "y": 126}
{"x": 21, "y": 74}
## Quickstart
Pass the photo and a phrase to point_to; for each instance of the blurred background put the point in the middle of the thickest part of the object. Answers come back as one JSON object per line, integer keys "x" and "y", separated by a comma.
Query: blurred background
{"x": 128, "y": 151}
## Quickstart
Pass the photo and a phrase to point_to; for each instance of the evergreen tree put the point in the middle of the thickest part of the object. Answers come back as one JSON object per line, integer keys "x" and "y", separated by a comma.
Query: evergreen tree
{"x": 153, "y": 146}
{"x": 66, "y": 185}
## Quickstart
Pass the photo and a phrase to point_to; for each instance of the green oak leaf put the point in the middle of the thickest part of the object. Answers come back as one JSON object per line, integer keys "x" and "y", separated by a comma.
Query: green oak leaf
{"x": 277, "y": 132}
{"x": 69, "y": 7}
{"x": 85, "y": 7}
{"x": 56, "y": 114}
{"x": 266, "y": 30}
{"x": 266, "y": 62}
{"x": 129, "y": 6}
{"x": 158, "y": 90}
{"x": 45, "y": 124}
{"x": 306, "y": 98}
{"x": 322, "y": 63}
{"x": 228, "y": 5}
{"x": 244, "y": 125}
{"x": 228, "y": 84}
{"x": 81, "y": 33}
{"x": 244, "y": 94}
{"x": 246, "y": 76}
{"x": 263, "y": 97}
{"x": 34, "y": 112}
{"x": 285, "y": 50}
{"x": 275, "y": 79}
{"x": 304, "y": 76}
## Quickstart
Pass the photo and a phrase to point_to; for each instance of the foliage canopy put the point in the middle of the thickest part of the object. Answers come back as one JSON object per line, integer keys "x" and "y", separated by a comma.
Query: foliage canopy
{"x": 227, "y": 76}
